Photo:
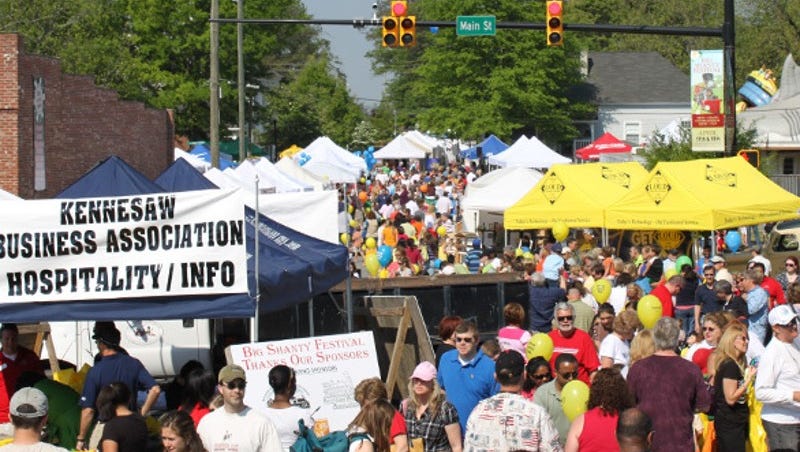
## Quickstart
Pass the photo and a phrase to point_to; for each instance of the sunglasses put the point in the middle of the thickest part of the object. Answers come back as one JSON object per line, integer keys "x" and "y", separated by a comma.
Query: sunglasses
{"x": 235, "y": 384}
{"x": 541, "y": 377}
{"x": 790, "y": 264}
{"x": 468, "y": 340}
{"x": 570, "y": 375}
{"x": 565, "y": 318}
{"x": 708, "y": 328}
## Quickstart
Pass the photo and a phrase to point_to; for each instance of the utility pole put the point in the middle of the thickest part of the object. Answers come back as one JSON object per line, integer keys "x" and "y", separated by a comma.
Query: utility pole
{"x": 240, "y": 76}
{"x": 729, "y": 58}
{"x": 213, "y": 133}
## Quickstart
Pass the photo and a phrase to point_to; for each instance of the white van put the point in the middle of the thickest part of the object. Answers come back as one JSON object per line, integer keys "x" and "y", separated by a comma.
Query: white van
{"x": 163, "y": 346}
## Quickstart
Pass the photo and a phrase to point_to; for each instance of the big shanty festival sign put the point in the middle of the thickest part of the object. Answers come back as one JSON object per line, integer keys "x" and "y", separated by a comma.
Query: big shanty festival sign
{"x": 708, "y": 100}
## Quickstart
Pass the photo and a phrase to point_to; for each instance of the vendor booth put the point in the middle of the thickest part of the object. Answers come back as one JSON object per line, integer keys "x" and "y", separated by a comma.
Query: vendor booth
{"x": 702, "y": 195}
{"x": 575, "y": 195}
{"x": 487, "y": 197}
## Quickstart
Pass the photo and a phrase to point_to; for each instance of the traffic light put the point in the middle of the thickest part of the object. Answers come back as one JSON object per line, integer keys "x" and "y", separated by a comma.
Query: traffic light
{"x": 408, "y": 31}
{"x": 399, "y": 8}
{"x": 390, "y": 31}
{"x": 752, "y": 156}
{"x": 555, "y": 23}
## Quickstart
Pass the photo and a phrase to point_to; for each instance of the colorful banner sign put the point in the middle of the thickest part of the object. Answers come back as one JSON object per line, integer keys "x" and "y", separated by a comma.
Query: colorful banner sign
{"x": 328, "y": 368}
{"x": 708, "y": 100}
{"x": 154, "y": 245}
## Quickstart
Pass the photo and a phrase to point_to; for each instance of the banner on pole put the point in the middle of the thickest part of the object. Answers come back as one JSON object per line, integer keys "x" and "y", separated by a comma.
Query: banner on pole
{"x": 154, "y": 245}
{"x": 708, "y": 100}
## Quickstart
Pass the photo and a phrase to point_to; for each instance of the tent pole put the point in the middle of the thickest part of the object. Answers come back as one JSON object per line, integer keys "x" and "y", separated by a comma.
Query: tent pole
{"x": 311, "y": 317}
{"x": 348, "y": 291}
{"x": 254, "y": 320}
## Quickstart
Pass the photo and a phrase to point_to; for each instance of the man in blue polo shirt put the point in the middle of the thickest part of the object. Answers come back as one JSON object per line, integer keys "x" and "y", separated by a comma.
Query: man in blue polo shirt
{"x": 466, "y": 374}
{"x": 114, "y": 366}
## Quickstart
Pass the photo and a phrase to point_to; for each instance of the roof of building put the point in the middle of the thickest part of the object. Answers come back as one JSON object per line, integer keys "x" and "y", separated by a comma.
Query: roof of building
{"x": 632, "y": 78}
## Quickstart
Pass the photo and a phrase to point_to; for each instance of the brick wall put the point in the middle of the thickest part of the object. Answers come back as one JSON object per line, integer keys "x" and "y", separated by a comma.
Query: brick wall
{"x": 84, "y": 124}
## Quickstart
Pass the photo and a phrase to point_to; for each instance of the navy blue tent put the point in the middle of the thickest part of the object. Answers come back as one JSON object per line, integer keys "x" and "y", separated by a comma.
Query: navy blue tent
{"x": 114, "y": 177}
{"x": 293, "y": 267}
{"x": 490, "y": 146}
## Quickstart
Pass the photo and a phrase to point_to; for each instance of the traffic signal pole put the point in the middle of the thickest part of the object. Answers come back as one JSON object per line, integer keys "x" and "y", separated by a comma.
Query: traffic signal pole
{"x": 726, "y": 32}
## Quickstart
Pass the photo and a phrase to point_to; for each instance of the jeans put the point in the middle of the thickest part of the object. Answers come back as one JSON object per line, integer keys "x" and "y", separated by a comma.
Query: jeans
{"x": 686, "y": 316}
{"x": 782, "y": 437}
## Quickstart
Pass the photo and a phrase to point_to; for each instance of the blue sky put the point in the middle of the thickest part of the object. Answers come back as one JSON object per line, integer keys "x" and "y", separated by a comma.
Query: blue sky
{"x": 350, "y": 45}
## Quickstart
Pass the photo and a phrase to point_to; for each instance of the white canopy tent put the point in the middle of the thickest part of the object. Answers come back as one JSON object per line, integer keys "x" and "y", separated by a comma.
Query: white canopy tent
{"x": 6, "y": 196}
{"x": 224, "y": 179}
{"x": 401, "y": 148}
{"x": 283, "y": 182}
{"x": 323, "y": 149}
{"x": 196, "y": 162}
{"x": 487, "y": 197}
{"x": 289, "y": 167}
{"x": 528, "y": 152}
{"x": 331, "y": 171}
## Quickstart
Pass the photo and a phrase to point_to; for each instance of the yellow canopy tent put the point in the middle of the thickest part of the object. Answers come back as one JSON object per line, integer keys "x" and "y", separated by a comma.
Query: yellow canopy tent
{"x": 290, "y": 151}
{"x": 702, "y": 195}
{"x": 575, "y": 195}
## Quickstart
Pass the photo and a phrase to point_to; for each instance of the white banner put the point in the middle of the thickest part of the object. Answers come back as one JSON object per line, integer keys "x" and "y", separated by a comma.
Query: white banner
{"x": 328, "y": 368}
{"x": 156, "y": 245}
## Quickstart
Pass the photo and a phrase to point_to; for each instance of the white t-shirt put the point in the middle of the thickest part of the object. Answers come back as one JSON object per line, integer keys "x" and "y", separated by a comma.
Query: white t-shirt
{"x": 617, "y": 298}
{"x": 38, "y": 447}
{"x": 618, "y": 350}
{"x": 777, "y": 378}
{"x": 285, "y": 421}
{"x": 246, "y": 431}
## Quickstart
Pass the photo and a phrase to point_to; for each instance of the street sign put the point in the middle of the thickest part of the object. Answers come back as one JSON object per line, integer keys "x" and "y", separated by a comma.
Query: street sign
{"x": 476, "y": 26}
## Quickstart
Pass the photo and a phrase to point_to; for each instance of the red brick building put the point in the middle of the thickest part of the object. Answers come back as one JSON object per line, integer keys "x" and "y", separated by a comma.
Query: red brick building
{"x": 54, "y": 127}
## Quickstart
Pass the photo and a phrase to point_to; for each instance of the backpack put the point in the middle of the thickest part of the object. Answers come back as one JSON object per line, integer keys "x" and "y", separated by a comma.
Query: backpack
{"x": 336, "y": 441}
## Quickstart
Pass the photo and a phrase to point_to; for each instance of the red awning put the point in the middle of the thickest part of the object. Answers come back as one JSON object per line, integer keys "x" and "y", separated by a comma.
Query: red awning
{"x": 606, "y": 144}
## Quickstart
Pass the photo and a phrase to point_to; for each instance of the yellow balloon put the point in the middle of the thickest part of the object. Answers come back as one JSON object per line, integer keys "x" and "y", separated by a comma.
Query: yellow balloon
{"x": 560, "y": 231}
{"x": 649, "y": 310}
{"x": 371, "y": 263}
{"x": 441, "y": 230}
{"x": 350, "y": 208}
{"x": 345, "y": 238}
{"x": 353, "y": 223}
{"x": 383, "y": 273}
{"x": 540, "y": 344}
{"x": 370, "y": 243}
{"x": 574, "y": 398}
{"x": 518, "y": 252}
{"x": 601, "y": 290}
{"x": 670, "y": 273}
{"x": 528, "y": 256}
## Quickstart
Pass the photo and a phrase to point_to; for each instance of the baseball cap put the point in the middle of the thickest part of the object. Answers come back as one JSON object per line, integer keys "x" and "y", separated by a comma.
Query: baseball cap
{"x": 476, "y": 243}
{"x": 231, "y": 372}
{"x": 28, "y": 403}
{"x": 716, "y": 259}
{"x": 107, "y": 333}
{"x": 424, "y": 371}
{"x": 782, "y": 315}
{"x": 566, "y": 250}
{"x": 509, "y": 363}
{"x": 556, "y": 248}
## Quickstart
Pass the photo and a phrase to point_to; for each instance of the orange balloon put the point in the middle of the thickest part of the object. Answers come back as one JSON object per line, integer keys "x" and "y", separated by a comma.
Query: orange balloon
{"x": 423, "y": 188}
{"x": 362, "y": 196}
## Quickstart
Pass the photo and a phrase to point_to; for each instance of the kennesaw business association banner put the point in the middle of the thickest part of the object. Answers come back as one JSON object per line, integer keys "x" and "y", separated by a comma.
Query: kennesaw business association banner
{"x": 155, "y": 245}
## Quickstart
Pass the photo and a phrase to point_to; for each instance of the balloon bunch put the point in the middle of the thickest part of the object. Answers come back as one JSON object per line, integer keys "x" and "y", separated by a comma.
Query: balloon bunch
{"x": 369, "y": 159}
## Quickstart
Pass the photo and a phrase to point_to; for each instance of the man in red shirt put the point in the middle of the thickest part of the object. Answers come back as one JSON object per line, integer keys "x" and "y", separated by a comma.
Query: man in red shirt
{"x": 14, "y": 360}
{"x": 569, "y": 339}
{"x": 665, "y": 291}
{"x": 771, "y": 285}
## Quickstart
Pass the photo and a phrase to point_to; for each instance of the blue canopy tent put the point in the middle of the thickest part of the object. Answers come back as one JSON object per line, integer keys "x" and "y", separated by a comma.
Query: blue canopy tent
{"x": 490, "y": 146}
{"x": 114, "y": 177}
{"x": 200, "y": 150}
{"x": 293, "y": 267}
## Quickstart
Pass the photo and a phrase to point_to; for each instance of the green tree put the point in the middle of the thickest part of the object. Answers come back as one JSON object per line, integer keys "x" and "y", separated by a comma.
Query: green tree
{"x": 664, "y": 149}
{"x": 314, "y": 103}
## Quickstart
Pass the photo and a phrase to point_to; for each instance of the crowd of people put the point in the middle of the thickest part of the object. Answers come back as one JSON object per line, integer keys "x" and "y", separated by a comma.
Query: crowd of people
{"x": 725, "y": 347}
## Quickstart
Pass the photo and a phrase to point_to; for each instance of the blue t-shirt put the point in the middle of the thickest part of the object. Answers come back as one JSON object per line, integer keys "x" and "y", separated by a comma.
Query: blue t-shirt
{"x": 113, "y": 368}
{"x": 466, "y": 385}
{"x": 707, "y": 300}
{"x": 552, "y": 266}
{"x": 757, "y": 300}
